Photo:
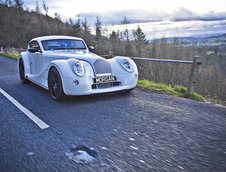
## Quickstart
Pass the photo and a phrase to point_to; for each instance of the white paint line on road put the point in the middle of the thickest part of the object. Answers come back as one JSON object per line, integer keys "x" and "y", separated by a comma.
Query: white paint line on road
{"x": 29, "y": 114}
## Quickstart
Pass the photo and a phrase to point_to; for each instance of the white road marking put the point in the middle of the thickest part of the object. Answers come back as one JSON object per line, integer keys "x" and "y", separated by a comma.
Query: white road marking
{"x": 29, "y": 114}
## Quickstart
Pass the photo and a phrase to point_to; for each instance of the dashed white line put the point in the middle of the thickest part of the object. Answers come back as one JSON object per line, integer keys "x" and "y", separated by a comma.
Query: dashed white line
{"x": 28, "y": 113}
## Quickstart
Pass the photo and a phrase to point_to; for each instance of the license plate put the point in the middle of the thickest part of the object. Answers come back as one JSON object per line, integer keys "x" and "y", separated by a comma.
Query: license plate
{"x": 104, "y": 79}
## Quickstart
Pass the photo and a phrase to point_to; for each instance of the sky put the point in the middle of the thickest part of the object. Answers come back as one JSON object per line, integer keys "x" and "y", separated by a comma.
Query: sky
{"x": 157, "y": 18}
{"x": 113, "y": 11}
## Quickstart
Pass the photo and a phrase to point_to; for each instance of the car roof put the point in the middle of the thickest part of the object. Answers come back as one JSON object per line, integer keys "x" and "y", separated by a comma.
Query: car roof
{"x": 42, "y": 38}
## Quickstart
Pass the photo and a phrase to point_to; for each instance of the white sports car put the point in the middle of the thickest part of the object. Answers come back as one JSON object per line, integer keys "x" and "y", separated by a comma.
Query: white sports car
{"x": 64, "y": 65}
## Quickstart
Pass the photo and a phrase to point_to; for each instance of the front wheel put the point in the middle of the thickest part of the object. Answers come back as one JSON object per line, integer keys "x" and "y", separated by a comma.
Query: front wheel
{"x": 55, "y": 85}
{"x": 22, "y": 72}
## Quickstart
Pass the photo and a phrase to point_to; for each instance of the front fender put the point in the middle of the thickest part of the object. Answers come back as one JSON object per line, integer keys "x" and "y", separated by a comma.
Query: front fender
{"x": 67, "y": 74}
{"x": 24, "y": 56}
{"x": 117, "y": 67}
{"x": 123, "y": 76}
{"x": 63, "y": 67}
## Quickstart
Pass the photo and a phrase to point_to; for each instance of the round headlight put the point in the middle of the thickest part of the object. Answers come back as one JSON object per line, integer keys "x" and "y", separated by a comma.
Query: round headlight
{"x": 78, "y": 68}
{"x": 127, "y": 65}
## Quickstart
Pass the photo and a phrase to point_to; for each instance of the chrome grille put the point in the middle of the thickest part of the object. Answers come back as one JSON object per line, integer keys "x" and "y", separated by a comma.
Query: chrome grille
{"x": 101, "y": 67}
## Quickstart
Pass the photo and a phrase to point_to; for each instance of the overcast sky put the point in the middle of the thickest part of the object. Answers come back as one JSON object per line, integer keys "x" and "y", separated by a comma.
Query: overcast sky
{"x": 113, "y": 11}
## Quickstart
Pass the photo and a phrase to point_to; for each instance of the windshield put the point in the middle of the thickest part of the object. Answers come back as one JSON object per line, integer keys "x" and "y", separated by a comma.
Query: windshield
{"x": 63, "y": 44}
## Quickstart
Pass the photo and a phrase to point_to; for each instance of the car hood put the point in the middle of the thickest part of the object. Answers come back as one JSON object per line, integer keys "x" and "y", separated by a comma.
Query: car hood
{"x": 79, "y": 55}
{"x": 100, "y": 65}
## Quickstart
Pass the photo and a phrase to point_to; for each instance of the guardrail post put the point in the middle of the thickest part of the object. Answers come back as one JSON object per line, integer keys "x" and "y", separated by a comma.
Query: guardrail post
{"x": 194, "y": 69}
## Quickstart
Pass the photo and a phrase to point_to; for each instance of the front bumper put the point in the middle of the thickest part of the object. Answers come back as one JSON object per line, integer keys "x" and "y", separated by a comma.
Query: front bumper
{"x": 84, "y": 85}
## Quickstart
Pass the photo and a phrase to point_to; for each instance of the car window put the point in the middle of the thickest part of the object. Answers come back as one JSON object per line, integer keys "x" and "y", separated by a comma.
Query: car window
{"x": 62, "y": 44}
{"x": 34, "y": 44}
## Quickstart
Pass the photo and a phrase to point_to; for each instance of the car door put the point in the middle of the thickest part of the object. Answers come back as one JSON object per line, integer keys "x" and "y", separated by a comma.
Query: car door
{"x": 36, "y": 58}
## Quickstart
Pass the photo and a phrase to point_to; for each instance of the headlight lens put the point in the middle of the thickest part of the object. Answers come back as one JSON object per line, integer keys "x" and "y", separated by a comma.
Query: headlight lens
{"x": 78, "y": 68}
{"x": 127, "y": 65}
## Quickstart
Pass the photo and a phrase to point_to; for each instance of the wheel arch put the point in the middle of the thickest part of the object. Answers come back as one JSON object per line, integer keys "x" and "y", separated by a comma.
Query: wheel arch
{"x": 24, "y": 57}
{"x": 60, "y": 95}
{"x": 49, "y": 69}
{"x": 62, "y": 67}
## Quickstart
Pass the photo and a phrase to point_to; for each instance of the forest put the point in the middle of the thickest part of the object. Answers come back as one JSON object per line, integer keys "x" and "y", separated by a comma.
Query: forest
{"x": 20, "y": 24}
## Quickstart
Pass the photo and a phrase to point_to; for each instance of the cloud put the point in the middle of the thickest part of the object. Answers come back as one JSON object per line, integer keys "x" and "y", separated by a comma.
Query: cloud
{"x": 138, "y": 16}
{"x": 183, "y": 14}
{"x": 115, "y": 17}
{"x": 211, "y": 16}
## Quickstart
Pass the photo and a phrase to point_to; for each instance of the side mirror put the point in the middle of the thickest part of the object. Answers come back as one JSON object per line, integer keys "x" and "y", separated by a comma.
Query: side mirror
{"x": 33, "y": 50}
{"x": 91, "y": 48}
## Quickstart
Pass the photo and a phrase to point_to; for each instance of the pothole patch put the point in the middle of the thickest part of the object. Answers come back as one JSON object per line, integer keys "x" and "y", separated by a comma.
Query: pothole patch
{"x": 82, "y": 154}
{"x": 30, "y": 153}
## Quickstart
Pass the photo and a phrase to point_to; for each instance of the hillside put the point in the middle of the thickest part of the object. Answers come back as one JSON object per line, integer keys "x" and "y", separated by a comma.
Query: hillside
{"x": 201, "y": 41}
{"x": 19, "y": 26}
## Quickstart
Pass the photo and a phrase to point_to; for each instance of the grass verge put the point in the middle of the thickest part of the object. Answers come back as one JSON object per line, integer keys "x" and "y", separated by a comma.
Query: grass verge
{"x": 180, "y": 91}
{"x": 10, "y": 55}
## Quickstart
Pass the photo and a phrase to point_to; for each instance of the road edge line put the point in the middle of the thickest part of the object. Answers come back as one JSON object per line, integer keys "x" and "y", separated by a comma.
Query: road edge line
{"x": 28, "y": 113}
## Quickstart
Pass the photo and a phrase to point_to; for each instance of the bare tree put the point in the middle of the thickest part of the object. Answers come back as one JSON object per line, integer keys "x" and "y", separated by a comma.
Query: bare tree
{"x": 45, "y": 7}
{"x": 18, "y": 3}
{"x": 86, "y": 30}
{"x": 57, "y": 16}
{"x": 115, "y": 43}
{"x": 71, "y": 23}
{"x": 125, "y": 22}
{"x": 85, "y": 26}
{"x": 98, "y": 28}
{"x": 8, "y": 2}
{"x": 37, "y": 7}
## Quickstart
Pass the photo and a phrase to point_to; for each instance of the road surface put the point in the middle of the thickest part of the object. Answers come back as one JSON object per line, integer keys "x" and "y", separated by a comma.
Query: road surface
{"x": 140, "y": 131}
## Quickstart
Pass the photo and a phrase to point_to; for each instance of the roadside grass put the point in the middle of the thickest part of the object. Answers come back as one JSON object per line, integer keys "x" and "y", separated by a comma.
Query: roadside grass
{"x": 177, "y": 90}
{"x": 10, "y": 55}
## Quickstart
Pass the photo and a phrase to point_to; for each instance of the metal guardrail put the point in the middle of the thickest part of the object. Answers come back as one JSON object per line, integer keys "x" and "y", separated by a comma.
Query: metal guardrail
{"x": 195, "y": 63}
{"x": 11, "y": 49}
{"x": 162, "y": 60}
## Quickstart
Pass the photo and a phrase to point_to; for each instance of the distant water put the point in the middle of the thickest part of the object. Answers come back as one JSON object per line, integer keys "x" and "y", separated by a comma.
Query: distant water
{"x": 166, "y": 29}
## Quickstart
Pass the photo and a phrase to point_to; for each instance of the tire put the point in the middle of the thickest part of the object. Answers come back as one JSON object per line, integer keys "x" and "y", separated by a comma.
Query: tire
{"x": 22, "y": 73}
{"x": 55, "y": 85}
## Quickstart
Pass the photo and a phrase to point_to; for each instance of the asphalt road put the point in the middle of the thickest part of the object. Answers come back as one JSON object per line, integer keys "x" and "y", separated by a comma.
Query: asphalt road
{"x": 139, "y": 131}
